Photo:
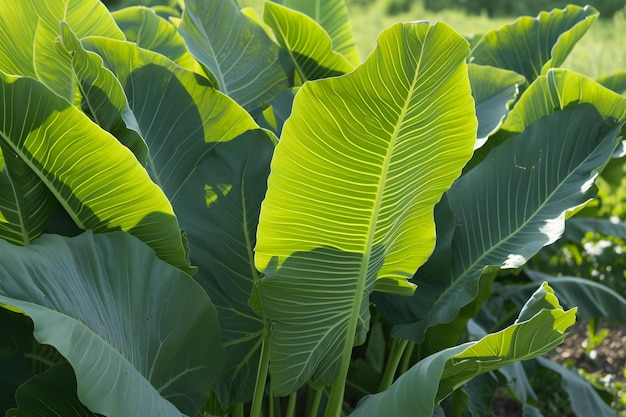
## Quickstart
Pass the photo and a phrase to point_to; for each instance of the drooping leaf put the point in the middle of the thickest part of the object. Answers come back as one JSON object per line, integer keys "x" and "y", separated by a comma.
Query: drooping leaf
{"x": 102, "y": 95}
{"x": 33, "y": 29}
{"x": 308, "y": 45}
{"x": 511, "y": 205}
{"x": 50, "y": 394}
{"x": 615, "y": 82}
{"x": 530, "y": 46}
{"x": 249, "y": 67}
{"x": 332, "y": 15}
{"x": 148, "y": 30}
{"x": 140, "y": 334}
{"x": 351, "y": 194}
{"x": 98, "y": 181}
{"x": 435, "y": 377}
{"x": 494, "y": 90}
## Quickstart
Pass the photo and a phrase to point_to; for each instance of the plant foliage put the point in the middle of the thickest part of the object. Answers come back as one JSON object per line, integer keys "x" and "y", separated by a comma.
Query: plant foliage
{"x": 205, "y": 212}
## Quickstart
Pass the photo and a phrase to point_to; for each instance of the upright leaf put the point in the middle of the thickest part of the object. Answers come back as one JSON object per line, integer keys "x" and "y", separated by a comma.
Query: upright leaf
{"x": 361, "y": 162}
{"x": 140, "y": 334}
{"x": 530, "y": 46}
{"x": 248, "y": 65}
{"x": 437, "y": 376}
{"x": 33, "y": 28}
{"x": 332, "y": 15}
{"x": 307, "y": 43}
{"x": 98, "y": 181}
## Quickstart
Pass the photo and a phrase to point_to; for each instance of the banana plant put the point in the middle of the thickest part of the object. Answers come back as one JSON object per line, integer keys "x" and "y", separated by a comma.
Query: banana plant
{"x": 205, "y": 212}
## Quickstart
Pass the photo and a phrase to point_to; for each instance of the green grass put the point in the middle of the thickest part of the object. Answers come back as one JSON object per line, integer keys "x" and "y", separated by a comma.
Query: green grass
{"x": 601, "y": 51}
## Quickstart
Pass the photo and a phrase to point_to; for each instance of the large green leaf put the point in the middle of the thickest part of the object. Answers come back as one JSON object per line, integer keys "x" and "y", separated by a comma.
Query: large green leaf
{"x": 248, "y": 65}
{"x": 98, "y": 181}
{"x": 437, "y": 376}
{"x": 510, "y": 206}
{"x": 221, "y": 212}
{"x": 50, "y": 394}
{"x": 139, "y": 333}
{"x": 215, "y": 188}
{"x": 530, "y": 46}
{"x": 494, "y": 90}
{"x": 102, "y": 96}
{"x": 307, "y": 43}
{"x": 332, "y": 15}
{"x": 144, "y": 27}
{"x": 361, "y": 163}
{"x": 33, "y": 29}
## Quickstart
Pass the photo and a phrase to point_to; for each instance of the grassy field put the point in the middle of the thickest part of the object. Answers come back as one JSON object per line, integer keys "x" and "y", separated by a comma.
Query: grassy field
{"x": 601, "y": 51}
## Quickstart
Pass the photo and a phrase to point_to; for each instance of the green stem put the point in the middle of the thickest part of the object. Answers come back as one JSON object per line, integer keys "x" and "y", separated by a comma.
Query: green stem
{"x": 238, "y": 412}
{"x": 406, "y": 358}
{"x": 313, "y": 405}
{"x": 291, "y": 404}
{"x": 397, "y": 349}
{"x": 261, "y": 377}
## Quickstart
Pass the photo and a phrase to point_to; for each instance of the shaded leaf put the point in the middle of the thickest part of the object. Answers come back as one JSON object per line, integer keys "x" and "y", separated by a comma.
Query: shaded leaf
{"x": 494, "y": 90}
{"x": 514, "y": 202}
{"x": 215, "y": 188}
{"x": 248, "y": 65}
{"x": 117, "y": 323}
{"x": 50, "y": 394}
